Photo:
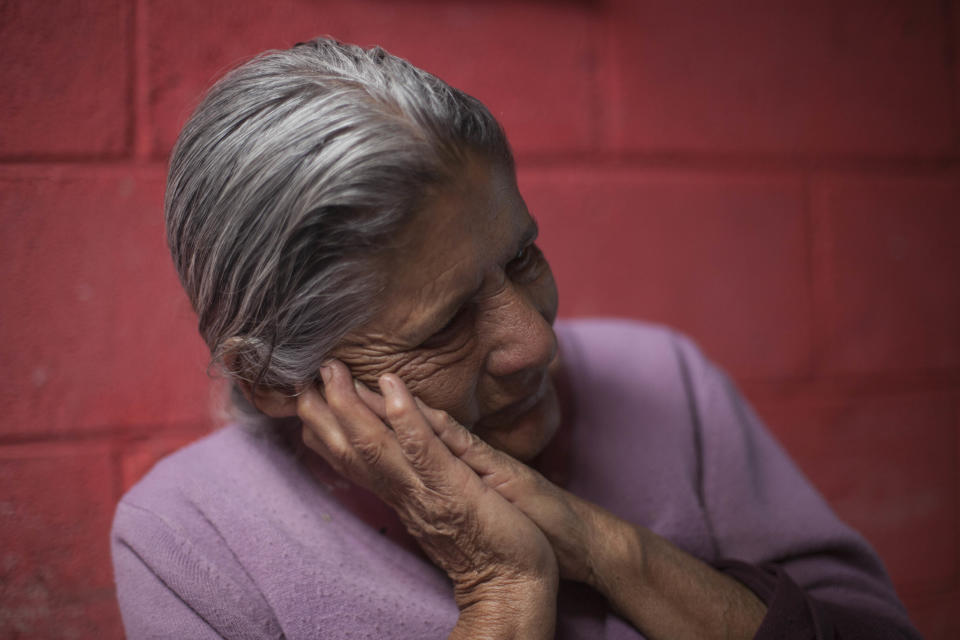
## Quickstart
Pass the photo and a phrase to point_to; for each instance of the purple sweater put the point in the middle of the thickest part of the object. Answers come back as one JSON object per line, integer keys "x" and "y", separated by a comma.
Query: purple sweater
{"x": 234, "y": 537}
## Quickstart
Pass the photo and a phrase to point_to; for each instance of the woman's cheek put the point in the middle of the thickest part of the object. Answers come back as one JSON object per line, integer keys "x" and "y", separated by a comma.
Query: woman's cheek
{"x": 446, "y": 381}
{"x": 445, "y": 378}
{"x": 367, "y": 364}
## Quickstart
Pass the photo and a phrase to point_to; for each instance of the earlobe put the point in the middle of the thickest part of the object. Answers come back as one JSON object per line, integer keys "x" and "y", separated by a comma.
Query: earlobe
{"x": 271, "y": 402}
{"x": 275, "y": 403}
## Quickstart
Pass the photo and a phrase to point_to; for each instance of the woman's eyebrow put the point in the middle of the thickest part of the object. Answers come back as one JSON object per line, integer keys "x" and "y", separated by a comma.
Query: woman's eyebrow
{"x": 451, "y": 308}
{"x": 529, "y": 235}
{"x": 448, "y": 310}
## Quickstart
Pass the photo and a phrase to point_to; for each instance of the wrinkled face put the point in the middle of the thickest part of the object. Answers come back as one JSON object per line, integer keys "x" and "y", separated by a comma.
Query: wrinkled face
{"x": 468, "y": 314}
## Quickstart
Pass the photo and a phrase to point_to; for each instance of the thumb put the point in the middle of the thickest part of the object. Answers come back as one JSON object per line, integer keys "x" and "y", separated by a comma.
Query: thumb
{"x": 508, "y": 476}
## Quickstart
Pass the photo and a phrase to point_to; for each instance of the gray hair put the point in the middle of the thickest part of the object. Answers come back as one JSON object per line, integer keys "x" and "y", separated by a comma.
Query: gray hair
{"x": 288, "y": 182}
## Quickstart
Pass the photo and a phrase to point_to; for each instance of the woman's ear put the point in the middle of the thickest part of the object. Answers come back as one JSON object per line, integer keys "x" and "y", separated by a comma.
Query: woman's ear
{"x": 276, "y": 403}
{"x": 272, "y": 402}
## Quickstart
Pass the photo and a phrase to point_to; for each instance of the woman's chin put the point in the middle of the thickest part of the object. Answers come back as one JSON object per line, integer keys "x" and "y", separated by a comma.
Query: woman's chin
{"x": 528, "y": 434}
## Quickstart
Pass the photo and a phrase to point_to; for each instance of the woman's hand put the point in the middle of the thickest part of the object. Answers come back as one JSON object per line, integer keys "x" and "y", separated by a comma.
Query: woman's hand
{"x": 577, "y": 530}
{"x": 570, "y": 523}
{"x": 503, "y": 568}
{"x": 663, "y": 591}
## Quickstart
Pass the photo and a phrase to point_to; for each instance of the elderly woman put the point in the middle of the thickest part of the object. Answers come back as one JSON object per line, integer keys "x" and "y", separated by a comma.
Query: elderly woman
{"x": 419, "y": 450}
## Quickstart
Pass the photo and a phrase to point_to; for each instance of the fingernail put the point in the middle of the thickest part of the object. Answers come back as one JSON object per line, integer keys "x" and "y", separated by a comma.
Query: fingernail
{"x": 358, "y": 385}
{"x": 326, "y": 372}
{"x": 388, "y": 384}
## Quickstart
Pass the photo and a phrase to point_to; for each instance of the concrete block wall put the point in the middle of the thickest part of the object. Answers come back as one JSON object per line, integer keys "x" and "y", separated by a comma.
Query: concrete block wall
{"x": 778, "y": 179}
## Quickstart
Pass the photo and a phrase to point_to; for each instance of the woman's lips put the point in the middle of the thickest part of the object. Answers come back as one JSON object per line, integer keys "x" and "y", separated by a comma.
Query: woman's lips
{"x": 507, "y": 415}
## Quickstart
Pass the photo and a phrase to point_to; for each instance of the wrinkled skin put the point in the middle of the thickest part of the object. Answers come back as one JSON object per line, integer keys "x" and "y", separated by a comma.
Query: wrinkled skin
{"x": 490, "y": 550}
{"x": 466, "y": 362}
{"x": 561, "y": 516}
{"x": 467, "y": 327}
{"x": 468, "y": 314}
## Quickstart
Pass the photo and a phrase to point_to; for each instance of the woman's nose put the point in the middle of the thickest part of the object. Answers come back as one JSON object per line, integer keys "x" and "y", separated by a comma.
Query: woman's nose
{"x": 521, "y": 337}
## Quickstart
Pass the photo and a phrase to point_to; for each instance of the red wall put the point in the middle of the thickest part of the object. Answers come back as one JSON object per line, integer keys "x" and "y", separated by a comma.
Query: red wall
{"x": 778, "y": 179}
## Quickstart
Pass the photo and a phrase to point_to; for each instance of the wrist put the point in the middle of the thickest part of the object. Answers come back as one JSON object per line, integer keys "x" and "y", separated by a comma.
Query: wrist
{"x": 667, "y": 593}
{"x": 508, "y": 608}
{"x": 617, "y": 561}
{"x": 613, "y": 548}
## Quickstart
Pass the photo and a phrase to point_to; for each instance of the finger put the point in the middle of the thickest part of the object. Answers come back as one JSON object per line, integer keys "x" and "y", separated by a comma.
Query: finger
{"x": 358, "y": 421}
{"x": 510, "y": 477}
{"x": 416, "y": 437}
{"x": 352, "y": 431}
{"x": 453, "y": 434}
{"x": 321, "y": 426}
{"x": 478, "y": 455}
{"x": 373, "y": 400}
{"x": 321, "y": 433}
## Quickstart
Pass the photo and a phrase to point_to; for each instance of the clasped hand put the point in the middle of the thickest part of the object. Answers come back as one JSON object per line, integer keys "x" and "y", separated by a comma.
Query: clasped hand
{"x": 504, "y": 533}
{"x": 497, "y": 527}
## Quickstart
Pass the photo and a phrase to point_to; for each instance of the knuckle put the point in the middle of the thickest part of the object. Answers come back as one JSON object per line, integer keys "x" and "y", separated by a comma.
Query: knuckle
{"x": 415, "y": 449}
{"x": 469, "y": 443}
{"x": 446, "y": 420}
{"x": 335, "y": 400}
{"x": 371, "y": 450}
{"x": 474, "y": 443}
{"x": 309, "y": 437}
{"x": 451, "y": 522}
{"x": 343, "y": 462}
{"x": 339, "y": 451}
{"x": 507, "y": 484}
{"x": 398, "y": 413}
{"x": 436, "y": 517}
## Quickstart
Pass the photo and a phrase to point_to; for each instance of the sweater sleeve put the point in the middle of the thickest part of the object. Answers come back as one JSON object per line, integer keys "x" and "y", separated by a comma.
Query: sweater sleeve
{"x": 150, "y": 609}
{"x": 168, "y": 588}
{"x": 819, "y": 578}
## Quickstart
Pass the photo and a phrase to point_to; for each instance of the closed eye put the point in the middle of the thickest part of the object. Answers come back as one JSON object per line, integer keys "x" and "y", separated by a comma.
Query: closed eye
{"x": 449, "y": 330}
{"x": 525, "y": 263}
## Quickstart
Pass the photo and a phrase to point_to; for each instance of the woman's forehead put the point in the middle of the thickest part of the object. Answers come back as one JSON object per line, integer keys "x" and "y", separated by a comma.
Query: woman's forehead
{"x": 479, "y": 211}
{"x": 462, "y": 233}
